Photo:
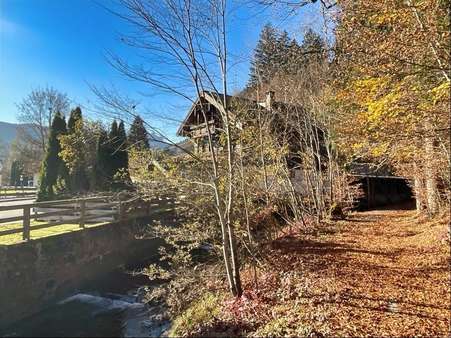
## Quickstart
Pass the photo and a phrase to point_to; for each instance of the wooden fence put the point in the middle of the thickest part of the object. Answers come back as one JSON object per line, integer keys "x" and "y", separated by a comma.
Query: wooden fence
{"x": 19, "y": 192}
{"x": 80, "y": 211}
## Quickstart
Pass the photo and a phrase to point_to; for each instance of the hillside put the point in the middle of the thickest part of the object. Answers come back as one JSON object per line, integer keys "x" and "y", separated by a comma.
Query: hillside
{"x": 8, "y": 132}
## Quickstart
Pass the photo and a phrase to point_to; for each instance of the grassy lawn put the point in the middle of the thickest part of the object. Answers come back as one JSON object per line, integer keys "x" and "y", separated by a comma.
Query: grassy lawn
{"x": 40, "y": 233}
{"x": 16, "y": 191}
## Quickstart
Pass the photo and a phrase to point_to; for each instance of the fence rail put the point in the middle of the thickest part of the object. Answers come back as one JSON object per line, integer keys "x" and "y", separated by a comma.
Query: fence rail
{"x": 77, "y": 211}
{"x": 9, "y": 192}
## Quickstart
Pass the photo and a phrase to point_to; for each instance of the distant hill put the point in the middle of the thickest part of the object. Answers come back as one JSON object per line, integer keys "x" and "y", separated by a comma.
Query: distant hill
{"x": 185, "y": 144}
{"x": 8, "y": 132}
{"x": 154, "y": 141}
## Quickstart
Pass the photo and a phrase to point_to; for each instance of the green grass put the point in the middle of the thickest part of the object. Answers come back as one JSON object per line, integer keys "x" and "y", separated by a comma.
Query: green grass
{"x": 40, "y": 233}
{"x": 16, "y": 191}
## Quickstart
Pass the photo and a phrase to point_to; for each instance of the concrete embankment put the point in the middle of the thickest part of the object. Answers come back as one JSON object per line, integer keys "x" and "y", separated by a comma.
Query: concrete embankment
{"x": 36, "y": 274}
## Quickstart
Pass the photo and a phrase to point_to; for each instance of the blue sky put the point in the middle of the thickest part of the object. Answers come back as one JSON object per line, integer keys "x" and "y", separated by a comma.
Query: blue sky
{"x": 62, "y": 44}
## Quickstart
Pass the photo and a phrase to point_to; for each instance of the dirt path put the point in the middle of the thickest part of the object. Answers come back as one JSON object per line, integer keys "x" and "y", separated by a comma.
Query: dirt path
{"x": 380, "y": 273}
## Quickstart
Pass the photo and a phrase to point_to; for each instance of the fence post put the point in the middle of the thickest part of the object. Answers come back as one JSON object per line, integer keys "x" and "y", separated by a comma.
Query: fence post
{"x": 82, "y": 213}
{"x": 26, "y": 223}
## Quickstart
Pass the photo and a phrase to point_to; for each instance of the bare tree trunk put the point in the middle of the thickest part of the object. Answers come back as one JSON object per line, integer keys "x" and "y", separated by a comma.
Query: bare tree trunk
{"x": 262, "y": 155}
{"x": 430, "y": 178}
{"x": 418, "y": 190}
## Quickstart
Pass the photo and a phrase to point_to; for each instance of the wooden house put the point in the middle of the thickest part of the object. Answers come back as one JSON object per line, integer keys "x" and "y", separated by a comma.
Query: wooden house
{"x": 210, "y": 104}
{"x": 378, "y": 188}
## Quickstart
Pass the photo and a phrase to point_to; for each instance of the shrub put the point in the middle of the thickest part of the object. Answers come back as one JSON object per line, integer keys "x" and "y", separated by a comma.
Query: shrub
{"x": 200, "y": 313}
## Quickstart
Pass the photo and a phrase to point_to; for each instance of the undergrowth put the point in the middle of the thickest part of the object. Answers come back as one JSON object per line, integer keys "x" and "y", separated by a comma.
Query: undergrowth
{"x": 380, "y": 273}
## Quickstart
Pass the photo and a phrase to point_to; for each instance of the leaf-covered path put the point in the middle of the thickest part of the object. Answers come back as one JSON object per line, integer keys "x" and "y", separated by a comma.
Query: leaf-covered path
{"x": 377, "y": 273}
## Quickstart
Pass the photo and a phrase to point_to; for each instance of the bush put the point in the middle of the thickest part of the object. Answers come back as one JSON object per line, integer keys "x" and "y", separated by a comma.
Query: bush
{"x": 200, "y": 313}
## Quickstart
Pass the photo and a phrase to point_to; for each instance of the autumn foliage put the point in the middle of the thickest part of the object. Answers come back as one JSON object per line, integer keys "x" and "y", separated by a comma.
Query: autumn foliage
{"x": 393, "y": 90}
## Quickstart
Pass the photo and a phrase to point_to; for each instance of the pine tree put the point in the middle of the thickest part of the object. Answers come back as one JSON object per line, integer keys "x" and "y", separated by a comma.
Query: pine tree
{"x": 313, "y": 47}
{"x": 277, "y": 54}
{"x": 75, "y": 115}
{"x": 16, "y": 172}
{"x": 102, "y": 166}
{"x": 78, "y": 177}
{"x": 264, "y": 62}
{"x": 13, "y": 174}
{"x": 122, "y": 147}
{"x": 118, "y": 155}
{"x": 113, "y": 144}
{"x": 138, "y": 136}
{"x": 295, "y": 58}
{"x": 54, "y": 173}
{"x": 282, "y": 55}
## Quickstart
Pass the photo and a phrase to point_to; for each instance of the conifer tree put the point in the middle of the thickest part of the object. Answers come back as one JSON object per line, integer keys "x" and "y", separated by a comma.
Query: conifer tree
{"x": 75, "y": 115}
{"x": 282, "y": 55}
{"x": 313, "y": 47}
{"x": 122, "y": 147}
{"x": 78, "y": 177}
{"x": 295, "y": 58}
{"x": 138, "y": 136}
{"x": 102, "y": 166}
{"x": 16, "y": 172}
{"x": 113, "y": 144}
{"x": 277, "y": 54}
{"x": 54, "y": 173}
{"x": 264, "y": 62}
{"x": 118, "y": 154}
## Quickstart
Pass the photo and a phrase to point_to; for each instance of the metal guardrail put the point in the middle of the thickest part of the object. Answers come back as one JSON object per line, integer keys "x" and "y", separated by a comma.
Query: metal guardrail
{"x": 80, "y": 206}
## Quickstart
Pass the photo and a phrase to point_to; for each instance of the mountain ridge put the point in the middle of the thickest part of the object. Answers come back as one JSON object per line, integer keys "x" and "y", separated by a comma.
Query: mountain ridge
{"x": 9, "y": 131}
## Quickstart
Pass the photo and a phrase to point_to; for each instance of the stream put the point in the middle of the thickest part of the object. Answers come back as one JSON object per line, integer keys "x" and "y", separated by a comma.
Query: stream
{"x": 111, "y": 306}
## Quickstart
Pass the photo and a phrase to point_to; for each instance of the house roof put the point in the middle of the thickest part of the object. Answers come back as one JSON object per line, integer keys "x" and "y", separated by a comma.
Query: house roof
{"x": 216, "y": 99}
{"x": 368, "y": 169}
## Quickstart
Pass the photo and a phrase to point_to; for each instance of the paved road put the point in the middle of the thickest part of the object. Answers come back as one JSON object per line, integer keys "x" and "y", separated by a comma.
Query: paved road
{"x": 13, "y": 213}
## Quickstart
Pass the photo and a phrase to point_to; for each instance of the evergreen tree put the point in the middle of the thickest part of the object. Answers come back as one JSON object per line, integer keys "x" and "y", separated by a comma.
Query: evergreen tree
{"x": 54, "y": 173}
{"x": 122, "y": 148}
{"x": 282, "y": 55}
{"x": 313, "y": 47}
{"x": 295, "y": 57}
{"x": 75, "y": 115}
{"x": 276, "y": 53}
{"x": 13, "y": 174}
{"x": 138, "y": 136}
{"x": 118, "y": 154}
{"x": 113, "y": 145}
{"x": 264, "y": 62}
{"x": 102, "y": 166}
{"x": 78, "y": 180}
{"x": 16, "y": 171}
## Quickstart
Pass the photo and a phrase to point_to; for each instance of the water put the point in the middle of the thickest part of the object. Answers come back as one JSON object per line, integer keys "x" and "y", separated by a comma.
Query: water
{"x": 111, "y": 306}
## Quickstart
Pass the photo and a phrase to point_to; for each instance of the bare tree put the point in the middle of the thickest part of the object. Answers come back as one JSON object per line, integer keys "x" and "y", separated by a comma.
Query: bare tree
{"x": 299, "y": 3}
{"x": 188, "y": 41}
{"x": 36, "y": 112}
